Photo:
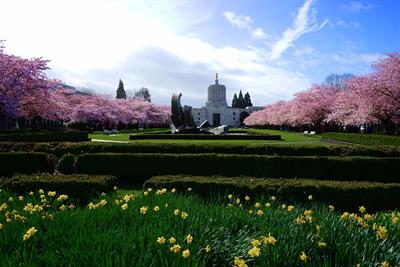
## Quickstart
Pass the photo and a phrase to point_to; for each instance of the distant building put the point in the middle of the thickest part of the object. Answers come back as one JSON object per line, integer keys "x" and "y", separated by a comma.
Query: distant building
{"x": 216, "y": 110}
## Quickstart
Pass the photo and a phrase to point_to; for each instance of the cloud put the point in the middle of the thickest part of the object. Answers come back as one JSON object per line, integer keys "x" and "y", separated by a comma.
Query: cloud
{"x": 238, "y": 21}
{"x": 245, "y": 22}
{"x": 303, "y": 23}
{"x": 356, "y": 6}
{"x": 348, "y": 25}
{"x": 258, "y": 33}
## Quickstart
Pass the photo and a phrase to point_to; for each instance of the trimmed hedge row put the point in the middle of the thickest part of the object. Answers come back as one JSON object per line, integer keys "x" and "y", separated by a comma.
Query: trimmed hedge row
{"x": 23, "y": 162}
{"x": 32, "y": 136}
{"x": 204, "y": 137}
{"x": 365, "y": 139}
{"x": 81, "y": 187}
{"x": 142, "y": 166}
{"x": 59, "y": 149}
{"x": 343, "y": 195}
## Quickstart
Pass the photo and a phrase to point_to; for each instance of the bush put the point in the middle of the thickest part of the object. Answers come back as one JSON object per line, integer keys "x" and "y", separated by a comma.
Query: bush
{"x": 82, "y": 187}
{"x": 27, "y": 163}
{"x": 365, "y": 139}
{"x": 66, "y": 164}
{"x": 24, "y": 136}
{"x": 143, "y": 166}
{"x": 204, "y": 137}
{"x": 59, "y": 149}
{"x": 345, "y": 195}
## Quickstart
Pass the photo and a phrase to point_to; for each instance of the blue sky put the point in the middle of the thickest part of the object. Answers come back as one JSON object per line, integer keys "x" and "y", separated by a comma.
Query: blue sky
{"x": 270, "y": 48}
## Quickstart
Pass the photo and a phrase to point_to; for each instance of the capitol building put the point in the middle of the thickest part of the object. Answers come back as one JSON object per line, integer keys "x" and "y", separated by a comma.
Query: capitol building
{"x": 216, "y": 109}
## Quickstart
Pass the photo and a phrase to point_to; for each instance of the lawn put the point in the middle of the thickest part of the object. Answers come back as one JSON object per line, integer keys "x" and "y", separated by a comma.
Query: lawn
{"x": 167, "y": 228}
{"x": 285, "y": 135}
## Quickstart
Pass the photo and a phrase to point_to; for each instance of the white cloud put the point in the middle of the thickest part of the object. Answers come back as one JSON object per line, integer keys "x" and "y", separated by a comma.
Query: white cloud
{"x": 258, "y": 33}
{"x": 303, "y": 23}
{"x": 356, "y": 6}
{"x": 95, "y": 47}
{"x": 238, "y": 21}
{"x": 348, "y": 25}
{"x": 245, "y": 22}
{"x": 353, "y": 58}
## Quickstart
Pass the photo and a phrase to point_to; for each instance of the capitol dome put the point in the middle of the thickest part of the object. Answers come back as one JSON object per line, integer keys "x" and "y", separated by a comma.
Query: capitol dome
{"x": 216, "y": 94}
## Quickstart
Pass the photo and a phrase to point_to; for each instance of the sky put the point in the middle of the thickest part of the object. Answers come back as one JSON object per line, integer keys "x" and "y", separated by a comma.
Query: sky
{"x": 269, "y": 48}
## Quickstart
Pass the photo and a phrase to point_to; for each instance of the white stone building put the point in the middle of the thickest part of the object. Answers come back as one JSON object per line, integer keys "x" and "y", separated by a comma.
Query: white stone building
{"x": 216, "y": 110}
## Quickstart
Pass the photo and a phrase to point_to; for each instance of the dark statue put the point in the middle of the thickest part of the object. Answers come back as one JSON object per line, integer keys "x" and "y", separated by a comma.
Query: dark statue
{"x": 183, "y": 121}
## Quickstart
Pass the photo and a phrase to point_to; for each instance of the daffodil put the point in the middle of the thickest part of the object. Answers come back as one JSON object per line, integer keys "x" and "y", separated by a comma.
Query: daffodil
{"x": 173, "y": 190}
{"x": 331, "y": 207}
{"x": 255, "y": 243}
{"x": 146, "y": 193}
{"x": 189, "y": 239}
{"x": 273, "y": 198}
{"x": 395, "y": 220}
{"x": 172, "y": 240}
{"x": 175, "y": 248}
{"x": 254, "y": 252}
{"x": 1, "y": 226}
{"x": 143, "y": 210}
{"x": 207, "y": 248}
{"x": 385, "y": 264}
{"x": 257, "y": 205}
{"x": 362, "y": 209}
{"x": 382, "y": 232}
{"x": 267, "y": 205}
{"x": 230, "y": 196}
{"x": 290, "y": 208}
{"x": 186, "y": 253}
{"x": 124, "y": 206}
{"x": 269, "y": 240}
{"x": 321, "y": 244}
{"x": 156, "y": 208}
{"x": 62, "y": 197}
{"x": 189, "y": 189}
{"x": 260, "y": 212}
{"x": 31, "y": 231}
{"x": 310, "y": 197}
{"x": 51, "y": 193}
{"x": 303, "y": 256}
{"x": 161, "y": 240}
{"x": 237, "y": 262}
{"x": 184, "y": 215}
{"x": 21, "y": 198}
{"x": 247, "y": 198}
{"x": 176, "y": 212}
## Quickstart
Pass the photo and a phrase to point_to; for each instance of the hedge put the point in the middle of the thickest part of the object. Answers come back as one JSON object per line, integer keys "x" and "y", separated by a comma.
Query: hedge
{"x": 365, "y": 139}
{"x": 25, "y": 162}
{"x": 59, "y": 149}
{"x": 81, "y": 187}
{"x": 142, "y": 166}
{"x": 33, "y": 136}
{"x": 204, "y": 137}
{"x": 345, "y": 195}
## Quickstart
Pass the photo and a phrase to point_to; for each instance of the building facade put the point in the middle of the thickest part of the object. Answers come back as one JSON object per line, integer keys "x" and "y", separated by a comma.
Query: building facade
{"x": 217, "y": 111}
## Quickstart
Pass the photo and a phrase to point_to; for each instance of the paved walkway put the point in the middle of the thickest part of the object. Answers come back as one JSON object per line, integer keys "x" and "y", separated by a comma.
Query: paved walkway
{"x": 109, "y": 141}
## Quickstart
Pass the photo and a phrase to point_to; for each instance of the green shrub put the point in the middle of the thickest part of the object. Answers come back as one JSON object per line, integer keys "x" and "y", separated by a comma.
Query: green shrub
{"x": 345, "y": 195}
{"x": 23, "y": 162}
{"x": 204, "y": 137}
{"x": 365, "y": 139}
{"x": 142, "y": 166}
{"x": 66, "y": 164}
{"x": 32, "y": 136}
{"x": 82, "y": 187}
{"x": 59, "y": 149}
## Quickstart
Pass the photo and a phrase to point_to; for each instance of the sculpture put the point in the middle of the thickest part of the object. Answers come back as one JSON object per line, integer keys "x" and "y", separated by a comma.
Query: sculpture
{"x": 183, "y": 121}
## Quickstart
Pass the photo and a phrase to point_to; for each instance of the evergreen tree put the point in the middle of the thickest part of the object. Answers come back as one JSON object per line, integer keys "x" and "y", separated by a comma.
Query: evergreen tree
{"x": 143, "y": 93}
{"x": 234, "y": 101}
{"x": 241, "y": 103}
{"x": 247, "y": 100}
{"x": 121, "y": 91}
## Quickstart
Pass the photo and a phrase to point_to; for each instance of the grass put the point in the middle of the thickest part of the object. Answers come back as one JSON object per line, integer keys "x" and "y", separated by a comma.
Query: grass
{"x": 108, "y": 235}
{"x": 286, "y": 136}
